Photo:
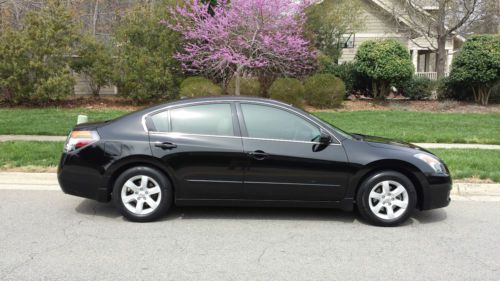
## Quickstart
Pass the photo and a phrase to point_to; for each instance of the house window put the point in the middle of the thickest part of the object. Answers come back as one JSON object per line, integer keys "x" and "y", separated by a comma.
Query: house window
{"x": 347, "y": 40}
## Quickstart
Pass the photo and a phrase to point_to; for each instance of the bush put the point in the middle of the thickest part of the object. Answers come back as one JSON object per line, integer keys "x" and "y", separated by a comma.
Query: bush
{"x": 417, "y": 88}
{"x": 34, "y": 61}
{"x": 199, "y": 87}
{"x": 353, "y": 80}
{"x": 288, "y": 90}
{"x": 477, "y": 66}
{"x": 248, "y": 87}
{"x": 386, "y": 63}
{"x": 324, "y": 90}
{"x": 145, "y": 66}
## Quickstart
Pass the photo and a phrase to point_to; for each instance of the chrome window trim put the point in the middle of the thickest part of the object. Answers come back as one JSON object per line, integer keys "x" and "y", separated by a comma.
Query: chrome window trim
{"x": 240, "y": 101}
{"x": 173, "y": 134}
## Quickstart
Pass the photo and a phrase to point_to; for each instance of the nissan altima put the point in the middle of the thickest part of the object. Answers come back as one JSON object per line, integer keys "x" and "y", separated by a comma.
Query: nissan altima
{"x": 238, "y": 151}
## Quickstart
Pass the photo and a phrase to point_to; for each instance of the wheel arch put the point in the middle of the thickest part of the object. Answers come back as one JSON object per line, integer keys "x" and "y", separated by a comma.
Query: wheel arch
{"x": 114, "y": 171}
{"x": 410, "y": 171}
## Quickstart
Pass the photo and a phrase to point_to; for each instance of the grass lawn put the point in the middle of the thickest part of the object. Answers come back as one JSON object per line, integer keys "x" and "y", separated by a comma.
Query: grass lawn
{"x": 404, "y": 125}
{"x": 463, "y": 163}
{"x": 15, "y": 154}
{"x": 420, "y": 126}
{"x": 48, "y": 121}
{"x": 471, "y": 163}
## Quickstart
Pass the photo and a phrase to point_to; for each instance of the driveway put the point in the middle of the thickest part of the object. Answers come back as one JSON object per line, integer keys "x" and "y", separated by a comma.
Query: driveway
{"x": 46, "y": 235}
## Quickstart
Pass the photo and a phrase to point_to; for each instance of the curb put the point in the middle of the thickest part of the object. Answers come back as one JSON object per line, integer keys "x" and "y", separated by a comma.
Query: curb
{"x": 48, "y": 181}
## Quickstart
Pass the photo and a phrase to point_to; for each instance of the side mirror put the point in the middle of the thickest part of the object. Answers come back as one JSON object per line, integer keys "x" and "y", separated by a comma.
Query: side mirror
{"x": 325, "y": 138}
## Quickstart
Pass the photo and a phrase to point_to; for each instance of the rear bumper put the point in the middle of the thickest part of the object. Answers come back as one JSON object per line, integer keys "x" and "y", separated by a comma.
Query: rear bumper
{"x": 76, "y": 178}
{"x": 437, "y": 193}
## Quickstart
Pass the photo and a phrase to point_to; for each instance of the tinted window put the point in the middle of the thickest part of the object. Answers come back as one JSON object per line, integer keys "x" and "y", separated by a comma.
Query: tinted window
{"x": 161, "y": 121}
{"x": 207, "y": 119}
{"x": 272, "y": 123}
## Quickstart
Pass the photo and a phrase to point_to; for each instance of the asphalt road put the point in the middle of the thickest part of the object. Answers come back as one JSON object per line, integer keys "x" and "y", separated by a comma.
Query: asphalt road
{"x": 46, "y": 235}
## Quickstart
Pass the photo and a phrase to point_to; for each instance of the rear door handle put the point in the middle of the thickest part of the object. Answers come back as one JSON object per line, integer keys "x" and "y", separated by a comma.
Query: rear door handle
{"x": 165, "y": 145}
{"x": 258, "y": 155}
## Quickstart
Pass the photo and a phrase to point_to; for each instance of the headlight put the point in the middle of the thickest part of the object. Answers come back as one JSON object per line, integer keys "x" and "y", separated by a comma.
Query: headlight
{"x": 435, "y": 164}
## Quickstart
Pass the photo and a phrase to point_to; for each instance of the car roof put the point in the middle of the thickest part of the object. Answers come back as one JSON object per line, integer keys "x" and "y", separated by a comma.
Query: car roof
{"x": 213, "y": 98}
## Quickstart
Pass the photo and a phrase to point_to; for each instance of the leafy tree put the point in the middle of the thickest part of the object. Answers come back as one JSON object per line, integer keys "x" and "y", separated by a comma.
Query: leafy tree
{"x": 94, "y": 60}
{"x": 477, "y": 66}
{"x": 34, "y": 60}
{"x": 145, "y": 69}
{"x": 385, "y": 62}
{"x": 258, "y": 37}
{"x": 329, "y": 21}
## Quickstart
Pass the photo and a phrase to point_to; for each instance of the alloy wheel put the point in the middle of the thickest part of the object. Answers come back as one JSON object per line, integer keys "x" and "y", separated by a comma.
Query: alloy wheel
{"x": 141, "y": 195}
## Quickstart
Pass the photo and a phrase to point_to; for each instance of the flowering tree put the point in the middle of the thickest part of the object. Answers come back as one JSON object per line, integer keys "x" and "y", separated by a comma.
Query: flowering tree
{"x": 258, "y": 37}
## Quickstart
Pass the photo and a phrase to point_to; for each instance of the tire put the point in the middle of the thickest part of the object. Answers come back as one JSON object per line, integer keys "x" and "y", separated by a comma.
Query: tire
{"x": 394, "y": 191}
{"x": 142, "y": 194}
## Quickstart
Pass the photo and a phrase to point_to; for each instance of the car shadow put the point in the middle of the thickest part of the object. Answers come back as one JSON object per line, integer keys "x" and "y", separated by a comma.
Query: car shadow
{"x": 107, "y": 210}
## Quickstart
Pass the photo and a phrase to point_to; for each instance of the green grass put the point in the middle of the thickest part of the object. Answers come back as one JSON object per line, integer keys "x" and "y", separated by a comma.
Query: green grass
{"x": 471, "y": 163}
{"x": 463, "y": 163}
{"x": 403, "y": 125}
{"x": 420, "y": 126}
{"x": 30, "y": 153}
{"x": 48, "y": 121}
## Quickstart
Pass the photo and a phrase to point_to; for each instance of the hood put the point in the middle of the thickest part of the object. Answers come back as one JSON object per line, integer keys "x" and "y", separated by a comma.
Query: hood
{"x": 387, "y": 143}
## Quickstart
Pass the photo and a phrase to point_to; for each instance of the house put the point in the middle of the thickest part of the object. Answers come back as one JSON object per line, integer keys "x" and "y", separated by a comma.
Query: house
{"x": 380, "y": 23}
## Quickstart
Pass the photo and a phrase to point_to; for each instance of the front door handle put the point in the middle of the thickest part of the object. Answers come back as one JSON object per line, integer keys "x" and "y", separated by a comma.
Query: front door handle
{"x": 258, "y": 155}
{"x": 165, "y": 145}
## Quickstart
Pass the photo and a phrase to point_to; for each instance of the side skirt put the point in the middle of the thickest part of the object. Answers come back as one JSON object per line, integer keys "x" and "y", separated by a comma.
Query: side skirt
{"x": 346, "y": 204}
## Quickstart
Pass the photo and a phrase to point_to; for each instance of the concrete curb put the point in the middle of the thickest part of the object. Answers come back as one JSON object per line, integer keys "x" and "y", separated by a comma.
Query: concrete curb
{"x": 4, "y": 138}
{"x": 459, "y": 146}
{"x": 48, "y": 181}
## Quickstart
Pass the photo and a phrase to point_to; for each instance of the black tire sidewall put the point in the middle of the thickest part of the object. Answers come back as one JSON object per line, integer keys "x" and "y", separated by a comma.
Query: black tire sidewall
{"x": 362, "y": 197}
{"x": 159, "y": 177}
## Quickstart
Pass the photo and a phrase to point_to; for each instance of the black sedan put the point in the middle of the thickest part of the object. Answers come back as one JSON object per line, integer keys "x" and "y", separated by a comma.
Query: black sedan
{"x": 235, "y": 151}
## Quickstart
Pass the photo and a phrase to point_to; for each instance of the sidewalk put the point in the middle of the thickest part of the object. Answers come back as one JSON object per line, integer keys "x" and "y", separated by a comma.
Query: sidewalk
{"x": 4, "y": 138}
{"x": 48, "y": 181}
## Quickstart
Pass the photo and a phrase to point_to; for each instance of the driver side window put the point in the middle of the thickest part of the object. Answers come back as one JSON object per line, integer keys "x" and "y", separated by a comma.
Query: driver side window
{"x": 273, "y": 123}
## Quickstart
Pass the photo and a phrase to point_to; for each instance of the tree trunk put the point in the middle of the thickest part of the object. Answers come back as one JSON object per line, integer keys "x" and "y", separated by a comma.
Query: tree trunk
{"x": 441, "y": 56}
{"x": 374, "y": 89}
{"x": 237, "y": 84}
{"x": 94, "y": 21}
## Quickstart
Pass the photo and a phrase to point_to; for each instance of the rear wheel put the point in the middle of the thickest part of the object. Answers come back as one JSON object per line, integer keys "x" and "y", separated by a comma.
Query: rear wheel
{"x": 386, "y": 198}
{"x": 142, "y": 194}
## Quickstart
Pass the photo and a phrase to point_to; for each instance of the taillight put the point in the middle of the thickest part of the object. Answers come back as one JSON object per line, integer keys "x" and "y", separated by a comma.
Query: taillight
{"x": 79, "y": 139}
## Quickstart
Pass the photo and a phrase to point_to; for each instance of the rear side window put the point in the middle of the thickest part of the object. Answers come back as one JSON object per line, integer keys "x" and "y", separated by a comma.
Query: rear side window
{"x": 273, "y": 123}
{"x": 206, "y": 119}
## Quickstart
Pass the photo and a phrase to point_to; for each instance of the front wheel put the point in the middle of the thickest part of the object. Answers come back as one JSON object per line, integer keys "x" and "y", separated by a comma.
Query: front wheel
{"x": 142, "y": 194}
{"x": 386, "y": 198}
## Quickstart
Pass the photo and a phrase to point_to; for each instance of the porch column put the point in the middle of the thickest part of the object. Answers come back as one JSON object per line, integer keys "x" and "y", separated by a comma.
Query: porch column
{"x": 414, "y": 58}
{"x": 449, "y": 59}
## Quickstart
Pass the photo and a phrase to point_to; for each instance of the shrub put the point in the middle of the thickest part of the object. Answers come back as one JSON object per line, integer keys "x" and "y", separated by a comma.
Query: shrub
{"x": 198, "y": 87}
{"x": 248, "y": 87}
{"x": 477, "y": 66}
{"x": 34, "y": 60}
{"x": 324, "y": 90}
{"x": 417, "y": 88}
{"x": 288, "y": 90}
{"x": 386, "y": 63}
{"x": 95, "y": 62}
{"x": 353, "y": 80}
{"x": 145, "y": 66}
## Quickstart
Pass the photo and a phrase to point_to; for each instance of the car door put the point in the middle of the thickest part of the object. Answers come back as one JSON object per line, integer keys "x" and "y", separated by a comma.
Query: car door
{"x": 202, "y": 146}
{"x": 285, "y": 160}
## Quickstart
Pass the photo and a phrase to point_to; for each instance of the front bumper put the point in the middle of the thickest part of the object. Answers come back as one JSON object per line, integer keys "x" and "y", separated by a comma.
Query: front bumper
{"x": 437, "y": 192}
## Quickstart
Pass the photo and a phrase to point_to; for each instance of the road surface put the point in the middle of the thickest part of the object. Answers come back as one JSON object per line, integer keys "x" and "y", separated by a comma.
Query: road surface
{"x": 46, "y": 235}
